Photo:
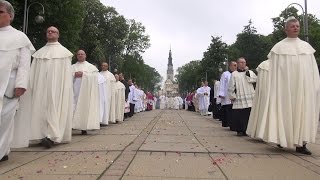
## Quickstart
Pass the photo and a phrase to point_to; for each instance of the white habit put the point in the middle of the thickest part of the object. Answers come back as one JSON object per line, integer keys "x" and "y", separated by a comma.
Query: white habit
{"x": 48, "y": 103}
{"x": 110, "y": 92}
{"x": 257, "y": 126}
{"x": 120, "y": 99}
{"x": 103, "y": 98}
{"x": 293, "y": 108}
{"x": 163, "y": 100}
{"x": 223, "y": 88}
{"x": 86, "y": 97}
{"x": 15, "y": 57}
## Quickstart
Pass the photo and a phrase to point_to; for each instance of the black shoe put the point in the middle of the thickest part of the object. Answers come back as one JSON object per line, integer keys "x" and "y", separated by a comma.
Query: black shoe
{"x": 46, "y": 142}
{"x": 4, "y": 158}
{"x": 240, "y": 134}
{"x": 279, "y": 146}
{"x": 303, "y": 150}
{"x": 83, "y": 132}
{"x": 103, "y": 125}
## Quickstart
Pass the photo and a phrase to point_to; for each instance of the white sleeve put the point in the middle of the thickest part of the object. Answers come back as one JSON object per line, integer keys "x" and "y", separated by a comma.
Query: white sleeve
{"x": 232, "y": 88}
{"x": 23, "y": 68}
{"x": 222, "y": 86}
{"x": 252, "y": 78}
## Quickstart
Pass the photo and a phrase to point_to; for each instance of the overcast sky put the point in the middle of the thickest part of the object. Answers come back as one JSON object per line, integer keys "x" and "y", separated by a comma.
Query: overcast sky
{"x": 189, "y": 24}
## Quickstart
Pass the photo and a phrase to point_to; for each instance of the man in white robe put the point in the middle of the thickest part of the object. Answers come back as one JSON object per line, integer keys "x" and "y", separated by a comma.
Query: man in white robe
{"x": 176, "y": 103}
{"x": 15, "y": 58}
{"x": 48, "y": 105}
{"x": 162, "y": 99}
{"x": 86, "y": 95}
{"x": 294, "y": 85}
{"x": 226, "y": 114}
{"x": 110, "y": 92}
{"x": 138, "y": 102}
{"x": 120, "y": 99}
{"x": 204, "y": 101}
{"x": 103, "y": 98}
{"x": 241, "y": 93}
{"x": 132, "y": 97}
{"x": 180, "y": 102}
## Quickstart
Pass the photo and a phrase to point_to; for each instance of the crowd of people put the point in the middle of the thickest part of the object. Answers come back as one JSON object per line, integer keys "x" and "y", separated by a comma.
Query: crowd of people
{"x": 171, "y": 102}
{"x": 44, "y": 100}
{"x": 278, "y": 104}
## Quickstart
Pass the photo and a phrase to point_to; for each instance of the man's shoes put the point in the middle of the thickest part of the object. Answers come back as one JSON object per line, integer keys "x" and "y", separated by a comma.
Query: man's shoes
{"x": 83, "y": 132}
{"x": 46, "y": 142}
{"x": 303, "y": 150}
{"x": 240, "y": 134}
{"x": 103, "y": 125}
{"x": 279, "y": 146}
{"x": 4, "y": 158}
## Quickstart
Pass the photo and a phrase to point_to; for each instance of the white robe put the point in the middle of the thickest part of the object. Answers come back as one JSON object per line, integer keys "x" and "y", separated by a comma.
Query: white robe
{"x": 176, "y": 103}
{"x": 258, "y": 121}
{"x": 293, "y": 108}
{"x": 48, "y": 103}
{"x": 104, "y": 116}
{"x": 86, "y": 97}
{"x": 223, "y": 88}
{"x": 204, "y": 99}
{"x": 120, "y": 99}
{"x": 15, "y": 57}
{"x": 163, "y": 100}
{"x": 110, "y": 92}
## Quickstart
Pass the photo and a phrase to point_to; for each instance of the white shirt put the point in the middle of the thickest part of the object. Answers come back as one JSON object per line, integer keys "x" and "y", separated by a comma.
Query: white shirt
{"x": 223, "y": 89}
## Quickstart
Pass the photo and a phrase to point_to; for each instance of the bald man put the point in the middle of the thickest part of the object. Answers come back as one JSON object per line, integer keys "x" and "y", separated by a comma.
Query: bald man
{"x": 86, "y": 95}
{"x": 48, "y": 103}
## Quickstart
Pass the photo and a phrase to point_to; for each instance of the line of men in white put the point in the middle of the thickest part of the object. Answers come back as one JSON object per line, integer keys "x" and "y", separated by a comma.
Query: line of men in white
{"x": 44, "y": 100}
{"x": 171, "y": 102}
{"x": 286, "y": 101}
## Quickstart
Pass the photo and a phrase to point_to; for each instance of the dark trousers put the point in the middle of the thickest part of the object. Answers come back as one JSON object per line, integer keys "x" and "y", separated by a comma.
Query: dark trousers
{"x": 226, "y": 115}
{"x": 240, "y": 118}
{"x": 131, "y": 110}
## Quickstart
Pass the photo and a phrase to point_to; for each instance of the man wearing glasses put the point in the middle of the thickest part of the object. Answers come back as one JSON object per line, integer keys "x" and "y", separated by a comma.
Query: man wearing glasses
{"x": 49, "y": 103}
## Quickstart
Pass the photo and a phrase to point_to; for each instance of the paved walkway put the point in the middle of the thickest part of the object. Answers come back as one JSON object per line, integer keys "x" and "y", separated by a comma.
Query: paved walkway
{"x": 162, "y": 145}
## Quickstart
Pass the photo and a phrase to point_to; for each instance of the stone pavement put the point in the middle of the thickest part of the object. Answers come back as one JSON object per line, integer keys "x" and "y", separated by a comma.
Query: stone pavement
{"x": 162, "y": 145}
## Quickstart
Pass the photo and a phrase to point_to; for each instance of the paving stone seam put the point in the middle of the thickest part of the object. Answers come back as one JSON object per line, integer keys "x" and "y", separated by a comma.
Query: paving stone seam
{"x": 26, "y": 163}
{"x": 137, "y": 142}
{"x": 208, "y": 152}
{"x": 305, "y": 166}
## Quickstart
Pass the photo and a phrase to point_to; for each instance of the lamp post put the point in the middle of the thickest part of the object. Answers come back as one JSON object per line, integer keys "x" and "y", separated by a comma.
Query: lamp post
{"x": 38, "y": 19}
{"x": 305, "y": 18}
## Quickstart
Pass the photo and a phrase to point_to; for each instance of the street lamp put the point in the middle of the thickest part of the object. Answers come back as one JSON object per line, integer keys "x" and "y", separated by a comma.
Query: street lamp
{"x": 305, "y": 18}
{"x": 38, "y": 18}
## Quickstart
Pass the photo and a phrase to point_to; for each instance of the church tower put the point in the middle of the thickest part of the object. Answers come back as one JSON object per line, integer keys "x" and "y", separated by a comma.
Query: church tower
{"x": 170, "y": 67}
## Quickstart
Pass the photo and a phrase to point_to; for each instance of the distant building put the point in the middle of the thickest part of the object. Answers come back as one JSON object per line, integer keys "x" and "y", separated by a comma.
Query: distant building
{"x": 171, "y": 88}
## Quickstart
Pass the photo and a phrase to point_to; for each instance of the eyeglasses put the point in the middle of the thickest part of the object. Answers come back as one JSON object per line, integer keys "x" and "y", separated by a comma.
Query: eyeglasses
{"x": 52, "y": 31}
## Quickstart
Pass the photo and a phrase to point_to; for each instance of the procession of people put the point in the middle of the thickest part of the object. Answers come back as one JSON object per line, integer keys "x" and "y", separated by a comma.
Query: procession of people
{"x": 279, "y": 104}
{"x": 43, "y": 101}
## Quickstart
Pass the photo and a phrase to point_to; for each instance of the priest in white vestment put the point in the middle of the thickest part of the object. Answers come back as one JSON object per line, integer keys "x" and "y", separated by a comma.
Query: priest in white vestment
{"x": 49, "y": 102}
{"x": 15, "y": 58}
{"x": 103, "y": 99}
{"x": 120, "y": 99}
{"x": 163, "y": 100}
{"x": 226, "y": 114}
{"x": 132, "y": 97}
{"x": 86, "y": 95}
{"x": 293, "y": 107}
{"x": 204, "y": 98}
{"x": 110, "y": 92}
{"x": 176, "y": 103}
{"x": 241, "y": 93}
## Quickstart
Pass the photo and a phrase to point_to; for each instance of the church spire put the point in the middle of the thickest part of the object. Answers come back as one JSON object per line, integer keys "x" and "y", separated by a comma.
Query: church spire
{"x": 170, "y": 57}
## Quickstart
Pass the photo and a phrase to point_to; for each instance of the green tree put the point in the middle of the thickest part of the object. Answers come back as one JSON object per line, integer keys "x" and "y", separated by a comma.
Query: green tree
{"x": 252, "y": 46}
{"x": 214, "y": 58}
{"x": 189, "y": 75}
{"x": 136, "y": 40}
{"x": 66, "y": 15}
